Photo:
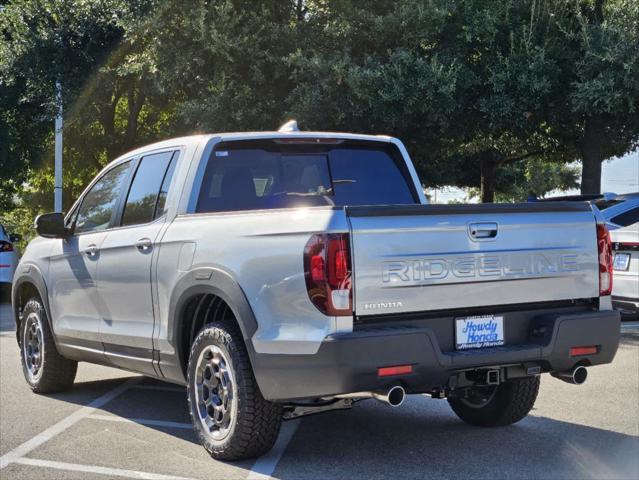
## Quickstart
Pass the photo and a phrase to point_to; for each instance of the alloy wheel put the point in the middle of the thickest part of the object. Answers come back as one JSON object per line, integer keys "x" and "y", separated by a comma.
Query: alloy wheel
{"x": 33, "y": 346}
{"x": 215, "y": 392}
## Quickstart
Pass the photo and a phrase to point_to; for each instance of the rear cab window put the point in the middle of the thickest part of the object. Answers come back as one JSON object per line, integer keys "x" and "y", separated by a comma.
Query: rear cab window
{"x": 254, "y": 175}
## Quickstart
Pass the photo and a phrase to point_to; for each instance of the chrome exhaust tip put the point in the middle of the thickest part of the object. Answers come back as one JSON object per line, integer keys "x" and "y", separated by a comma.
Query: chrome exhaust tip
{"x": 394, "y": 397}
{"x": 576, "y": 376}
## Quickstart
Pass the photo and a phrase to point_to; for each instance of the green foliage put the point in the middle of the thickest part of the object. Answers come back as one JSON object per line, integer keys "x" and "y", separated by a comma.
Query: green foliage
{"x": 520, "y": 181}
{"x": 226, "y": 62}
{"x": 459, "y": 81}
{"x": 596, "y": 105}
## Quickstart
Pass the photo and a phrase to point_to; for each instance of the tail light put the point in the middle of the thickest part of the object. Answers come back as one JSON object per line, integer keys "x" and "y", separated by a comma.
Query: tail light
{"x": 6, "y": 246}
{"x": 327, "y": 268}
{"x": 604, "y": 246}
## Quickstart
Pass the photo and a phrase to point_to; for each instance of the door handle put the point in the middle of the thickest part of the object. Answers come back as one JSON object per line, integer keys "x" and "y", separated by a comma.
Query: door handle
{"x": 144, "y": 244}
{"x": 91, "y": 250}
{"x": 482, "y": 231}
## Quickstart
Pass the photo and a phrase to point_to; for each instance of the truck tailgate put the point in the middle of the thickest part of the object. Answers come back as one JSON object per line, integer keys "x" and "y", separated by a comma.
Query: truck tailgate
{"x": 436, "y": 257}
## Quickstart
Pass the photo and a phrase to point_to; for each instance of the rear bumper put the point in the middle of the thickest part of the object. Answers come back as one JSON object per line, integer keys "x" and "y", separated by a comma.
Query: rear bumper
{"x": 347, "y": 363}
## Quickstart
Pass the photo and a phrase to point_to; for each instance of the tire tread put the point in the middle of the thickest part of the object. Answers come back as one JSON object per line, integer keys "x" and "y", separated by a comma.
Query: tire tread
{"x": 258, "y": 422}
{"x": 511, "y": 403}
{"x": 58, "y": 373}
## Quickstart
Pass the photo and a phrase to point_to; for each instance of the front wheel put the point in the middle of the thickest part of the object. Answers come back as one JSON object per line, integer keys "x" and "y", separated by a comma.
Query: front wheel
{"x": 230, "y": 417}
{"x": 496, "y": 406}
{"x": 45, "y": 370}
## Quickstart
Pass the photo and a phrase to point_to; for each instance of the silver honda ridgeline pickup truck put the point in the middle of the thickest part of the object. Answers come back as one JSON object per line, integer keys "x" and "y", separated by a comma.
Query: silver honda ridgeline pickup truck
{"x": 280, "y": 274}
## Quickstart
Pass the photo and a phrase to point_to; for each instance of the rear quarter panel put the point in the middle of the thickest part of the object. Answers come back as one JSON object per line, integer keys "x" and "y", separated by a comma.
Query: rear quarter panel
{"x": 263, "y": 252}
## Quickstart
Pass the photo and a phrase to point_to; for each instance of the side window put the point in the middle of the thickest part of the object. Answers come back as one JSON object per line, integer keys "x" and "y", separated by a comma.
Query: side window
{"x": 160, "y": 208}
{"x": 99, "y": 202}
{"x": 148, "y": 188}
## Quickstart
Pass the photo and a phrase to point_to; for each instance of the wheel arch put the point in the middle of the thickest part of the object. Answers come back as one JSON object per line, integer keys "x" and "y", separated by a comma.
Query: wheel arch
{"x": 25, "y": 285}
{"x": 220, "y": 284}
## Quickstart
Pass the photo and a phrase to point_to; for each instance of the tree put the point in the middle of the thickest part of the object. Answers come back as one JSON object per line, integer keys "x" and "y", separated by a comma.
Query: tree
{"x": 597, "y": 108}
{"x": 44, "y": 41}
{"x": 474, "y": 86}
{"x": 380, "y": 67}
{"x": 225, "y": 62}
{"x": 478, "y": 91}
{"x": 468, "y": 85}
{"x": 522, "y": 180}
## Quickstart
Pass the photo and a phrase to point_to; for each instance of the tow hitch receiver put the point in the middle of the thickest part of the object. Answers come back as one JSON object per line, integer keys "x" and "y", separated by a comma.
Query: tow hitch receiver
{"x": 492, "y": 377}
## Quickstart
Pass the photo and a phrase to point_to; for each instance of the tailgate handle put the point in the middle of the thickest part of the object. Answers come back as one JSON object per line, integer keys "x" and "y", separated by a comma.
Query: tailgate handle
{"x": 482, "y": 231}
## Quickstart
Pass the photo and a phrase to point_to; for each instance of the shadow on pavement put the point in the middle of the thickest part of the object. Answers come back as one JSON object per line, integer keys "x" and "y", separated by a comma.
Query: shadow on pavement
{"x": 372, "y": 442}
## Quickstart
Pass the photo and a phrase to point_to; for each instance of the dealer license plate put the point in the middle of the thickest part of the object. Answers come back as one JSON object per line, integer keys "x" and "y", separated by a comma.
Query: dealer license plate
{"x": 622, "y": 260}
{"x": 479, "y": 332}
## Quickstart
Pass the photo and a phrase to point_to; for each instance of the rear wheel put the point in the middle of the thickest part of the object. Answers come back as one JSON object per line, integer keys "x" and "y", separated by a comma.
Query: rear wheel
{"x": 45, "y": 370}
{"x": 230, "y": 417}
{"x": 497, "y": 406}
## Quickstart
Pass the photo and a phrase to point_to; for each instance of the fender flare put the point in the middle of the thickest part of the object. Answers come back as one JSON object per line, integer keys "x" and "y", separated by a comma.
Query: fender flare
{"x": 209, "y": 280}
{"x": 30, "y": 273}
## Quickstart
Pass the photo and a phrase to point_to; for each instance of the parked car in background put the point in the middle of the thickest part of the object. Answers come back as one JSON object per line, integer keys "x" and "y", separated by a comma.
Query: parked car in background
{"x": 608, "y": 200}
{"x": 623, "y": 223}
{"x": 8, "y": 258}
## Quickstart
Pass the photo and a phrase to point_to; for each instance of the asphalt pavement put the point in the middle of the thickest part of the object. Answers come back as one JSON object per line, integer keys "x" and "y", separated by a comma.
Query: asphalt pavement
{"x": 116, "y": 424}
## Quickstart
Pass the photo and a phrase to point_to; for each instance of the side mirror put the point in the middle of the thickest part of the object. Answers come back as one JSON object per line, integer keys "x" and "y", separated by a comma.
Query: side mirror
{"x": 14, "y": 237}
{"x": 51, "y": 225}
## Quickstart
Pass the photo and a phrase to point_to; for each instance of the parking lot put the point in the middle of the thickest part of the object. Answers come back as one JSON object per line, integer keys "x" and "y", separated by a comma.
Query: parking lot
{"x": 115, "y": 424}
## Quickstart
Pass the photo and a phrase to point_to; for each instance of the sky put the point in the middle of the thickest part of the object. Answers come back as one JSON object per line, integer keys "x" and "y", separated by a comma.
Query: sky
{"x": 621, "y": 175}
{"x": 618, "y": 175}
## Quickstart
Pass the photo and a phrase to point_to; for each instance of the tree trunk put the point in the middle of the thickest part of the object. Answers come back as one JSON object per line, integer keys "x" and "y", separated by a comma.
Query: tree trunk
{"x": 106, "y": 117}
{"x": 135, "y": 102}
{"x": 592, "y": 155}
{"x": 488, "y": 166}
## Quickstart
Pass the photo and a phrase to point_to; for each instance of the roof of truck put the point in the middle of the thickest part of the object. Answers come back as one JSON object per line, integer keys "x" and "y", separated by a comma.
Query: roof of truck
{"x": 288, "y": 130}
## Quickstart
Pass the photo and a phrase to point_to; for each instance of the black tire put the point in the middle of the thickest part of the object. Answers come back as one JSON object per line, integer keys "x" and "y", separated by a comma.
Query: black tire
{"x": 54, "y": 373}
{"x": 253, "y": 423}
{"x": 505, "y": 404}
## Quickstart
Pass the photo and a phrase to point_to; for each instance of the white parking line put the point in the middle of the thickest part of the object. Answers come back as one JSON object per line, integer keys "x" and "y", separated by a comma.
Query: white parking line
{"x": 141, "y": 421}
{"x": 22, "y": 450}
{"x": 112, "y": 472}
{"x": 264, "y": 466}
